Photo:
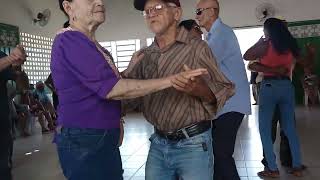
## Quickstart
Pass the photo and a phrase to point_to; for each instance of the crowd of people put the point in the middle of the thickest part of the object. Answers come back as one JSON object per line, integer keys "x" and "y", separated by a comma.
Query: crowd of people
{"x": 194, "y": 92}
{"x": 27, "y": 103}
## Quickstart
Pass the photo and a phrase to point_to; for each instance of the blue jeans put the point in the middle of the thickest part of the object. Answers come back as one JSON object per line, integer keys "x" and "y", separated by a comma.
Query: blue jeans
{"x": 189, "y": 159}
{"x": 281, "y": 93}
{"x": 86, "y": 154}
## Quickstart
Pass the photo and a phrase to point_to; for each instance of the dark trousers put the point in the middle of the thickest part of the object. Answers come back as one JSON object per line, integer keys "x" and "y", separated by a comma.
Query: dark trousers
{"x": 285, "y": 153}
{"x": 6, "y": 143}
{"x": 224, "y": 134}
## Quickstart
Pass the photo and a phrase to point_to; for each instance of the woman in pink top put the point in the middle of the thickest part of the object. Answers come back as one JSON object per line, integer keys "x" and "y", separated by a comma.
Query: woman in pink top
{"x": 276, "y": 52}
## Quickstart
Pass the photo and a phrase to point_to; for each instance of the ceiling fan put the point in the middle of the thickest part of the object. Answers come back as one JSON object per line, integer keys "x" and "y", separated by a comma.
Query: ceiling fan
{"x": 42, "y": 17}
{"x": 265, "y": 11}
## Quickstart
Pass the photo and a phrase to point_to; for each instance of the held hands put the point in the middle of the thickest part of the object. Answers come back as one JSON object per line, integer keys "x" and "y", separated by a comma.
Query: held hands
{"x": 18, "y": 56}
{"x": 191, "y": 82}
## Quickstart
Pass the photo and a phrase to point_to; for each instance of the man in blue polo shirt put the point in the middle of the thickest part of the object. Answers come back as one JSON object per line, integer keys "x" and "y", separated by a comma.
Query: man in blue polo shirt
{"x": 224, "y": 45}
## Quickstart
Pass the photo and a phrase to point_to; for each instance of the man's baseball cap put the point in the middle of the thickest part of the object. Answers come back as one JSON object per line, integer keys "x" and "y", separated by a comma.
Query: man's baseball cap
{"x": 139, "y": 4}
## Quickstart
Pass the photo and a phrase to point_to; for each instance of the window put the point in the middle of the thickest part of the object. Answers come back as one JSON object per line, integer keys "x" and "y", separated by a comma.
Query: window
{"x": 247, "y": 37}
{"x": 122, "y": 51}
{"x": 149, "y": 41}
{"x": 38, "y": 49}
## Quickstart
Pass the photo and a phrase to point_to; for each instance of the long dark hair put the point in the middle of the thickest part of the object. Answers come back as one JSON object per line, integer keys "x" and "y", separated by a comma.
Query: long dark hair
{"x": 280, "y": 37}
{"x": 66, "y": 24}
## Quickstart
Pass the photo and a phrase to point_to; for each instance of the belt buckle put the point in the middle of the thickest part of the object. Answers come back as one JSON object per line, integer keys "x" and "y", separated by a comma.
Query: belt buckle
{"x": 185, "y": 133}
{"x": 172, "y": 136}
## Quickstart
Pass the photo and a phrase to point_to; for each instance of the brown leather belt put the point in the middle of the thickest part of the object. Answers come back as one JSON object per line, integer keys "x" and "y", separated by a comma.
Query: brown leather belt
{"x": 186, "y": 132}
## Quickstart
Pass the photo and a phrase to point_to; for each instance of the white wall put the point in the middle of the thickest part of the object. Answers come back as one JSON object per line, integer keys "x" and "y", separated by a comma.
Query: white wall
{"x": 15, "y": 12}
{"x": 243, "y": 14}
{"x": 236, "y": 13}
{"x": 124, "y": 22}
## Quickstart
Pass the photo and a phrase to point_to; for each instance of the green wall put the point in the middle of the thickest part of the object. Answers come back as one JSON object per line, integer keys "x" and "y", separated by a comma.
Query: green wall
{"x": 9, "y": 37}
{"x": 305, "y": 32}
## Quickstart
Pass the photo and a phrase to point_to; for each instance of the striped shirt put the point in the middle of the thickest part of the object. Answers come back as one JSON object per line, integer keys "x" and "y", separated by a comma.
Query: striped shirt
{"x": 170, "y": 110}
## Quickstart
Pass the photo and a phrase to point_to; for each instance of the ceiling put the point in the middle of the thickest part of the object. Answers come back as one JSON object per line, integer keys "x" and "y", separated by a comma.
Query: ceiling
{"x": 124, "y": 22}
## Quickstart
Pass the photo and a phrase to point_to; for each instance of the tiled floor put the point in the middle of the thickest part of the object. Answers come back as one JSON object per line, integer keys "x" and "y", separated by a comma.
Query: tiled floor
{"x": 42, "y": 163}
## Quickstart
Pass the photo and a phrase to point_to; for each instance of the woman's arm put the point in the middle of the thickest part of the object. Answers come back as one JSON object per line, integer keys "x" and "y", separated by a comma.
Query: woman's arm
{"x": 257, "y": 51}
{"x": 131, "y": 88}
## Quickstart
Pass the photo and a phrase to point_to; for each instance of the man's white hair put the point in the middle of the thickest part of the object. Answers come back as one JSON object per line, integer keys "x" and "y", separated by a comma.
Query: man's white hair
{"x": 216, "y": 1}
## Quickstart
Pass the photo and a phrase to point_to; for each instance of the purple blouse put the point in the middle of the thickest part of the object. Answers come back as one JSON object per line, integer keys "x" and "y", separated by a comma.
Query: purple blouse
{"x": 83, "y": 76}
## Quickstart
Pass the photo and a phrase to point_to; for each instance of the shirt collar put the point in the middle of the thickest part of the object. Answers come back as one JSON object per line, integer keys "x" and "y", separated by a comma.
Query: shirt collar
{"x": 182, "y": 37}
{"x": 214, "y": 26}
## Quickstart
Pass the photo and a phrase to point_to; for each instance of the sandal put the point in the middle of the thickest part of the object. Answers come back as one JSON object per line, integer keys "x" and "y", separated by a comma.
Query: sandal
{"x": 269, "y": 173}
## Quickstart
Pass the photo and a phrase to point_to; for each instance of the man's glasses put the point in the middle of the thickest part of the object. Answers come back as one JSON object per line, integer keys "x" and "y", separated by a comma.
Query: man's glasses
{"x": 199, "y": 10}
{"x": 156, "y": 9}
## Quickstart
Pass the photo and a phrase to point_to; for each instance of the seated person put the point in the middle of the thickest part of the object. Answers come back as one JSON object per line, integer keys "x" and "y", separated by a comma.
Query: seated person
{"x": 27, "y": 109}
{"x": 38, "y": 110}
{"x": 310, "y": 81}
{"x": 17, "y": 117}
{"x": 24, "y": 101}
{"x": 43, "y": 98}
{"x": 23, "y": 119}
